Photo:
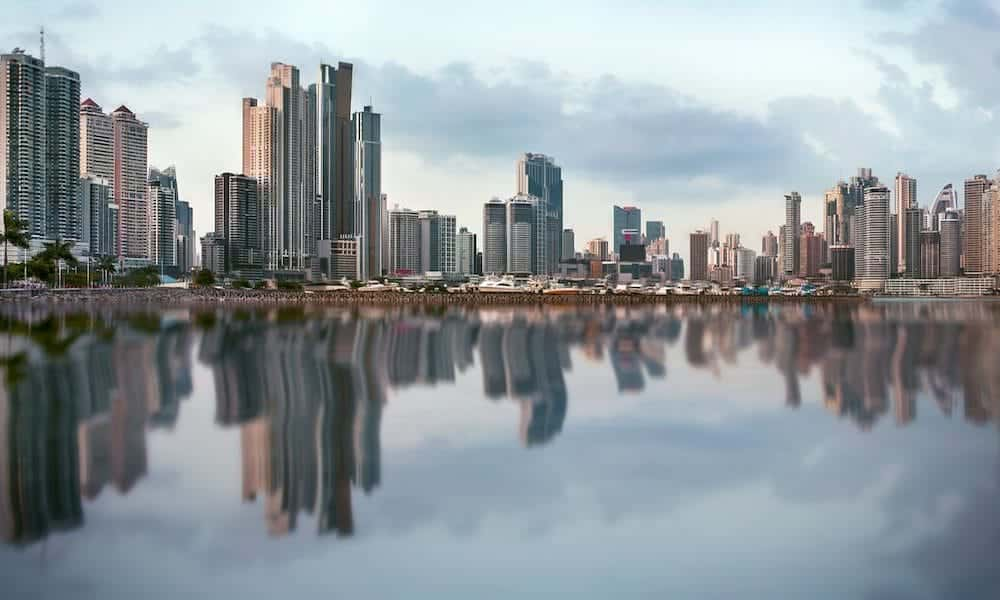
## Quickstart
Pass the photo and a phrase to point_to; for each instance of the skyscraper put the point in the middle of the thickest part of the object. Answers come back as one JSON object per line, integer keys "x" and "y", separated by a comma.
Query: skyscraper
{"x": 699, "y": 256}
{"x": 930, "y": 254}
{"x": 236, "y": 222}
{"x": 129, "y": 184}
{"x": 495, "y": 236}
{"x": 946, "y": 200}
{"x": 744, "y": 264}
{"x": 185, "y": 237}
{"x": 812, "y": 251}
{"x": 368, "y": 190}
{"x": 465, "y": 241}
{"x": 713, "y": 230}
{"x": 162, "y": 227}
{"x": 22, "y": 139}
{"x": 404, "y": 241}
{"x": 99, "y": 216}
{"x": 793, "y": 212}
{"x": 285, "y": 94}
{"x": 335, "y": 156}
{"x": 97, "y": 142}
{"x": 842, "y": 261}
{"x": 655, "y": 230}
{"x": 262, "y": 161}
{"x": 539, "y": 176}
{"x": 769, "y": 245}
{"x": 568, "y": 251}
{"x": 63, "y": 216}
{"x": 950, "y": 227}
{"x": 975, "y": 187}
{"x": 913, "y": 220}
{"x": 598, "y": 248}
{"x": 625, "y": 218}
{"x": 876, "y": 234}
{"x": 906, "y": 198}
{"x": 437, "y": 242}
{"x": 526, "y": 236}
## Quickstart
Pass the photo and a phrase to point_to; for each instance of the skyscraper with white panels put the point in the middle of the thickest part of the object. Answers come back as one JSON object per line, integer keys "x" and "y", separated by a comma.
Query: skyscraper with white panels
{"x": 22, "y": 139}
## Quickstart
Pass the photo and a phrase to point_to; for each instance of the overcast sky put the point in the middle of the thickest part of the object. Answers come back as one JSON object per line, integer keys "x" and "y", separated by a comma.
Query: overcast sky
{"x": 687, "y": 110}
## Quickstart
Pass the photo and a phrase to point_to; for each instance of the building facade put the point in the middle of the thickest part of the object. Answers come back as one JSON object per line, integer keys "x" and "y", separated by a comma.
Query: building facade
{"x": 568, "y": 245}
{"x": 793, "y": 217}
{"x": 624, "y": 218}
{"x": 99, "y": 216}
{"x": 465, "y": 242}
{"x": 495, "y": 237}
{"x": 63, "y": 214}
{"x": 699, "y": 256}
{"x": 129, "y": 185}
{"x": 404, "y": 242}
{"x": 437, "y": 242}
{"x": 539, "y": 176}
{"x": 876, "y": 243}
{"x": 909, "y": 240}
{"x": 368, "y": 190}
{"x": 950, "y": 226}
{"x": 974, "y": 250}
{"x": 237, "y": 223}
{"x": 162, "y": 225}
{"x": 930, "y": 254}
{"x": 22, "y": 139}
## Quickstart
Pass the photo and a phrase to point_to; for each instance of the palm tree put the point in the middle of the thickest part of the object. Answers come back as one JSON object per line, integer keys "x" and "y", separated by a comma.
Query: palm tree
{"x": 15, "y": 233}
{"x": 58, "y": 251}
{"x": 107, "y": 264}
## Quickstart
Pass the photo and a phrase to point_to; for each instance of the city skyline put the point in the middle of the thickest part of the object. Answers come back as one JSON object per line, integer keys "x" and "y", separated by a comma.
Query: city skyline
{"x": 195, "y": 59}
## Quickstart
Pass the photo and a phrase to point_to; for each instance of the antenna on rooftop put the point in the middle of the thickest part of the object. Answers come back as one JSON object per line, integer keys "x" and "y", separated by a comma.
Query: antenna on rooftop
{"x": 41, "y": 42}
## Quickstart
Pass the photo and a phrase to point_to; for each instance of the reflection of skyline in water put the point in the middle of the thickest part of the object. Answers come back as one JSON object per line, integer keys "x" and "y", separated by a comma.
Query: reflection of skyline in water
{"x": 308, "y": 395}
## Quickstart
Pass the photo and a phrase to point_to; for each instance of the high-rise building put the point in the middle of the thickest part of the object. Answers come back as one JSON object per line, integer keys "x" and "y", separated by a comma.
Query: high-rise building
{"x": 991, "y": 227}
{"x": 185, "y": 237}
{"x": 162, "y": 227}
{"x": 237, "y": 223}
{"x": 975, "y": 187}
{"x": 99, "y": 216}
{"x": 906, "y": 198}
{"x": 568, "y": 250}
{"x": 213, "y": 253}
{"x": 713, "y": 230}
{"x": 790, "y": 254}
{"x": 764, "y": 270}
{"x": 404, "y": 241}
{"x": 676, "y": 267}
{"x": 335, "y": 157}
{"x": 842, "y": 261}
{"x": 465, "y": 241}
{"x": 745, "y": 264}
{"x": 437, "y": 242}
{"x": 625, "y": 218}
{"x": 539, "y": 176}
{"x": 63, "y": 216}
{"x": 655, "y": 230}
{"x": 262, "y": 161}
{"x": 812, "y": 251}
{"x": 129, "y": 184}
{"x": 912, "y": 221}
{"x": 495, "y": 237}
{"x": 285, "y": 94}
{"x": 526, "y": 235}
{"x": 876, "y": 253}
{"x": 769, "y": 245}
{"x": 858, "y": 237}
{"x": 22, "y": 139}
{"x": 368, "y": 190}
{"x": 598, "y": 248}
{"x": 835, "y": 215}
{"x": 97, "y": 142}
{"x": 930, "y": 254}
{"x": 946, "y": 200}
{"x": 699, "y": 255}
{"x": 950, "y": 227}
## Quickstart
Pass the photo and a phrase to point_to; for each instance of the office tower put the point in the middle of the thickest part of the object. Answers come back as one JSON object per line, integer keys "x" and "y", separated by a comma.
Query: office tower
{"x": 946, "y": 200}
{"x": 763, "y": 270}
{"x": 893, "y": 243}
{"x": 790, "y": 254}
{"x": 185, "y": 237}
{"x": 262, "y": 161}
{"x": 568, "y": 250}
{"x": 213, "y": 253}
{"x": 129, "y": 184}
{"x": 437, "y": 242}
{"x": 812, "y": 251}
{"x": 385, "y": 233}
{"x": 745, "y": 263}
{"x": 729, "y": 249}
{"x": 906, "y": 198}
{"x": 655, "y": 230}
{"x": 930, "y": 254}
{"x": 876, "y": 234}
{"x": 97, "y": 142}
{"x": 339, "y": 259}
{"x": 63, "y": 216}
{"x": 699, "y": 255}
{"x": 465, "y": 241}
{"x": 835, "y": 215}
{"x": 22, "y": 139}
{"x": 950, "y": 227}
{"x": 858, "y": 235}
{"x": 368, "y": 190}
{"x": 99, "y": 218}
{"x": 161, "y": 229}
{"x": 237, "y": 223}
{"x": 539, "y": 176}
{"x": 526, "y": 231}
{"x": 404, "y": 241}
{"x": 913, "y": 220}
{"x": 335, "y": 157}
{"x": 842, "y": 261}
{"x": 713, "y": 230}
{"x": 676, "y": 267}
{"x": 991, "y": 227}
{"x": 625, "y": 218}
{"x": 769, "y": 245}
{"x": 285, "y": 94}
{"x": 598, "y": 248}
{"x": 975, "y": 187}
{"x": 495, "y": 236}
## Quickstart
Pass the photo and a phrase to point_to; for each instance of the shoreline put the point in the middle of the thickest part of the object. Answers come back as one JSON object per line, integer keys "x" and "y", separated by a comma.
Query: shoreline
{"x": 382, "y": 298}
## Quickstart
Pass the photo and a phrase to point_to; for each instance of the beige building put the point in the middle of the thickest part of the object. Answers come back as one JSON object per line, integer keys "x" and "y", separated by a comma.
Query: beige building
{"x": 261, "y": 160}
{"x": 906, "y": 197}
{"x": 129, "y": 184}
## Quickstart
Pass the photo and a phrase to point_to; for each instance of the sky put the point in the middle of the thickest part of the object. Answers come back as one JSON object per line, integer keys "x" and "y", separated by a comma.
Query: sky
{"x": 691, "y": 111}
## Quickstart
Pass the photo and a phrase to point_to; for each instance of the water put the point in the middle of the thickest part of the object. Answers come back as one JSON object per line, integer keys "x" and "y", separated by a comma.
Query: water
{"x": 712, "y": 452}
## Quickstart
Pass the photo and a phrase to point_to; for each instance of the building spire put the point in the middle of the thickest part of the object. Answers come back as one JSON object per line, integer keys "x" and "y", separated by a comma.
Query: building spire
{"x": 41, "y": 42}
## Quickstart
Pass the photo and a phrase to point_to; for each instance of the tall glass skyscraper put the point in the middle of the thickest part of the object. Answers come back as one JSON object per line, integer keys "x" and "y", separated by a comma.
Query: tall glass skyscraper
{"x": 793, "y": 218}
{"x": 368, "y": 191}
{"x": 625, "y": 218}
{"x": 539, "y": 176}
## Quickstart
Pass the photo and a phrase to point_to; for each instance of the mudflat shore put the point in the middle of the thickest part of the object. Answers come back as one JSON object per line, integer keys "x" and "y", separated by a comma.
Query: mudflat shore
{"x": 381, "y": 298}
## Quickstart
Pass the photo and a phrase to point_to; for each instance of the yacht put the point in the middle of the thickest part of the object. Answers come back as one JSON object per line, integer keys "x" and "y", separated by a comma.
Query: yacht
{"x": 503, "y": 285}
{"x": 560, "y": 289}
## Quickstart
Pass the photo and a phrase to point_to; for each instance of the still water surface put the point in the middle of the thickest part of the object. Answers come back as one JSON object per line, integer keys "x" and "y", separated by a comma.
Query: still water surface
{"x": 706, "y": 452}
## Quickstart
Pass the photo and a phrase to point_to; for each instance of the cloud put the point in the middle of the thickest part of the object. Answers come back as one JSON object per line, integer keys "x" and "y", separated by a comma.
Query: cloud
{"x": 162, "y": 120}
{"x": 78, "y": 11}
{"x": 888, "y": 5}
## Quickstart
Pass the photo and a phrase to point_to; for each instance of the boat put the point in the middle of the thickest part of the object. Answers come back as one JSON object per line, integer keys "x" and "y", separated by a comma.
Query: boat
{"x": 684, "y": 289}
{"x": 505, "y": 285}
{"x": 559, "y": 289}
{"x": 374, "y": 286}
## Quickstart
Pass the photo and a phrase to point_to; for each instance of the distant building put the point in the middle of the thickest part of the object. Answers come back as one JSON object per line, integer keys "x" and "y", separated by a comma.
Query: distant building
{"x": 568, "y": 244}
{"x": 339, "y": 259}
{"x": 632, "y": 252}
{"x": 495, "y": 236}
{"x": 769, "y": 245}
{"x": 713, "y": 230}
{"x": 699, "y": 256}
{"x": 655, "y": 230}
{"x": 466, "y": 243}
{"x": 130, "y": 185}
{"x": 526, "y": 230}
{"x": 950, "y": 227}
{"x": 213, "y": 253}
{"x": 676, "y": 267}
{"x": 721, "y": 274}
{"x": 975, "y": 187}
{"x": 22, "y": 139}
{"x": 930, "y": 254}
{"x": 598, "y": 248}
{"x": 745, "y": 264}
{"x": 946, "y": 200}
{"x": 842, "y": 259}
{"x": 539, "y": 176}
{"x": 437, "y": 242}
{"x": 875, "y": 244}
{"x": 912, "y": 221}
{"x": 812, "y": 251}
{"x": 909, "y": 239}
{"x": 162, "y": 231}
{"x": 63, "y": 218}
{"x": 100, "y": 216}
{"x": 764, "y": 268}
{"x": 185, "y": 237}
{"x": 368, "y": 216}
{"x": 625, "y": 218}
{"x": 404, "y": 242}
{"x": 793, "y": 211}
